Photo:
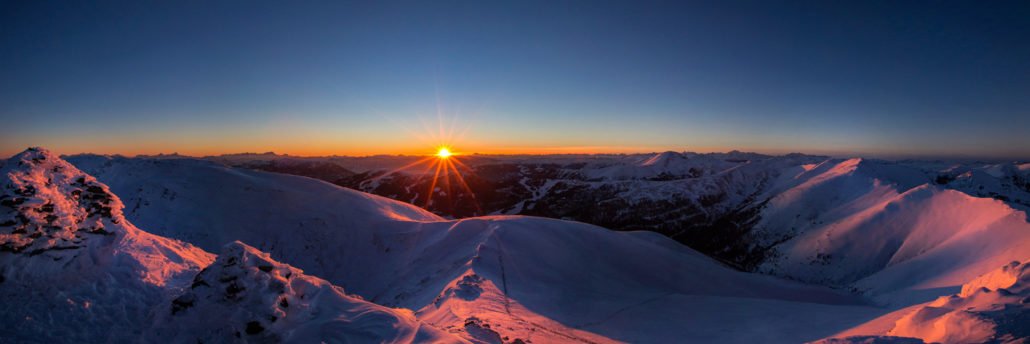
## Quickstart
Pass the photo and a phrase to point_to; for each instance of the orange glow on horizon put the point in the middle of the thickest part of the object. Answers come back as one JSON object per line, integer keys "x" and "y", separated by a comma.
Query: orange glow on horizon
{"x": 323, "y": 149}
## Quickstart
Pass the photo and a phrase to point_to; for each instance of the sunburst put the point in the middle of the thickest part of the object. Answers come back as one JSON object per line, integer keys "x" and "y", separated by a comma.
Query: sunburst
{"x": 442, "y": 163}
{"x": 446, "y": 174}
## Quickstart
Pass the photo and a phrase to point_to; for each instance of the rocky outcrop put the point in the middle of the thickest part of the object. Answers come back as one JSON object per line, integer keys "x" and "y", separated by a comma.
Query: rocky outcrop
{"x": 47, "y": 204}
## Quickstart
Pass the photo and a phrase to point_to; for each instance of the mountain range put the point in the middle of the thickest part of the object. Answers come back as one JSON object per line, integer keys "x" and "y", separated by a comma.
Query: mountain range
{"x": 670, "y": 247}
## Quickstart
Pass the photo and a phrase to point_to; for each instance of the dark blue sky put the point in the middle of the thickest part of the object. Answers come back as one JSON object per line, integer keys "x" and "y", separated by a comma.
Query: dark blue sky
{"x": 878, "y": 78}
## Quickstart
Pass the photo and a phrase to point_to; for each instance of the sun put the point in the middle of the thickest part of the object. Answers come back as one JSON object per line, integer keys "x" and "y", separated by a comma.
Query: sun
{"x": 442, "y": 169}
{"x": 443, "y": 153}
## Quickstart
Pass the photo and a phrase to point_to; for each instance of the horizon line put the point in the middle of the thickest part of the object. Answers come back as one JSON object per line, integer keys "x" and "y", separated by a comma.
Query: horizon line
{"x": 866, "y": 155}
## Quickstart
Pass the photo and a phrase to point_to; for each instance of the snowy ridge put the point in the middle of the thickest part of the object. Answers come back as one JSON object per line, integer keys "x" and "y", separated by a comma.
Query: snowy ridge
{"x": 245, "y": 295}
{"x": 880, "y": 228}
{"x": 664, "y": 159}
{"x": 529, "y": 279}
{"x": 1008, "y": 182}
{"x": 876, "y": 227}
{"x": 665, "y": 165}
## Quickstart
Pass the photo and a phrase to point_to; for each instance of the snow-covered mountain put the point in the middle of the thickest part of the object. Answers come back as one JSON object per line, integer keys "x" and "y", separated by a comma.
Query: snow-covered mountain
{"x": 881, "y": 228}
{"x": 831, "y": 221}
{"x": 487, "y": 279}
{"x": 755, "y": 212}
{"x": 702, "y": 200}
{"x": 900, "y": 232}
{"x": 72, "y": 269}
{"x": 412, "y": 276}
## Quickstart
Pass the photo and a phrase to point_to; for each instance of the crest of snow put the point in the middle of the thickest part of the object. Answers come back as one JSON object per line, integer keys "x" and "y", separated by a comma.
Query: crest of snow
{"x": 245, "y": 295}
{"x": 923, "y": 239}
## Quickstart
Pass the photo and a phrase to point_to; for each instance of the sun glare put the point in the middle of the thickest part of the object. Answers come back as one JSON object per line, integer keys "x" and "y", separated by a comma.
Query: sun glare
{"x": 442, "y": 167}
{"x": 443, "y": 153}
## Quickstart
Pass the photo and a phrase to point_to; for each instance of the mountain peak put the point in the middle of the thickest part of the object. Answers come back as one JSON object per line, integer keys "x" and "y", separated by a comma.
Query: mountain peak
{"x": 35, "y": 152}
{"x": 32, "y": 156}
{"x": 663, "y": 159}
{"x": 48, "y": 204}
{"x": 80, "y": 272}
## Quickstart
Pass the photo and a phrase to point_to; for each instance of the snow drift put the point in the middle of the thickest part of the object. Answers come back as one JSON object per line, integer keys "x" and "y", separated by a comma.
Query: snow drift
{"x": 992, "y": 308}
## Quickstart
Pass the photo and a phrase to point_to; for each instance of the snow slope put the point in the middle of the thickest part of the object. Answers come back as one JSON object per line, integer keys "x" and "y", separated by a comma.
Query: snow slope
{"x": 875, "y": 227}
{"x": 304, "y": 222}
{"x": 486, "y": 279}
{"x": 541, "y": 279}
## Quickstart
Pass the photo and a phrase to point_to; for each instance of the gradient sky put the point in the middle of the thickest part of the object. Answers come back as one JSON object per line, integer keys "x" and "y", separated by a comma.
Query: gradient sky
{"x": 895, "y": 78}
